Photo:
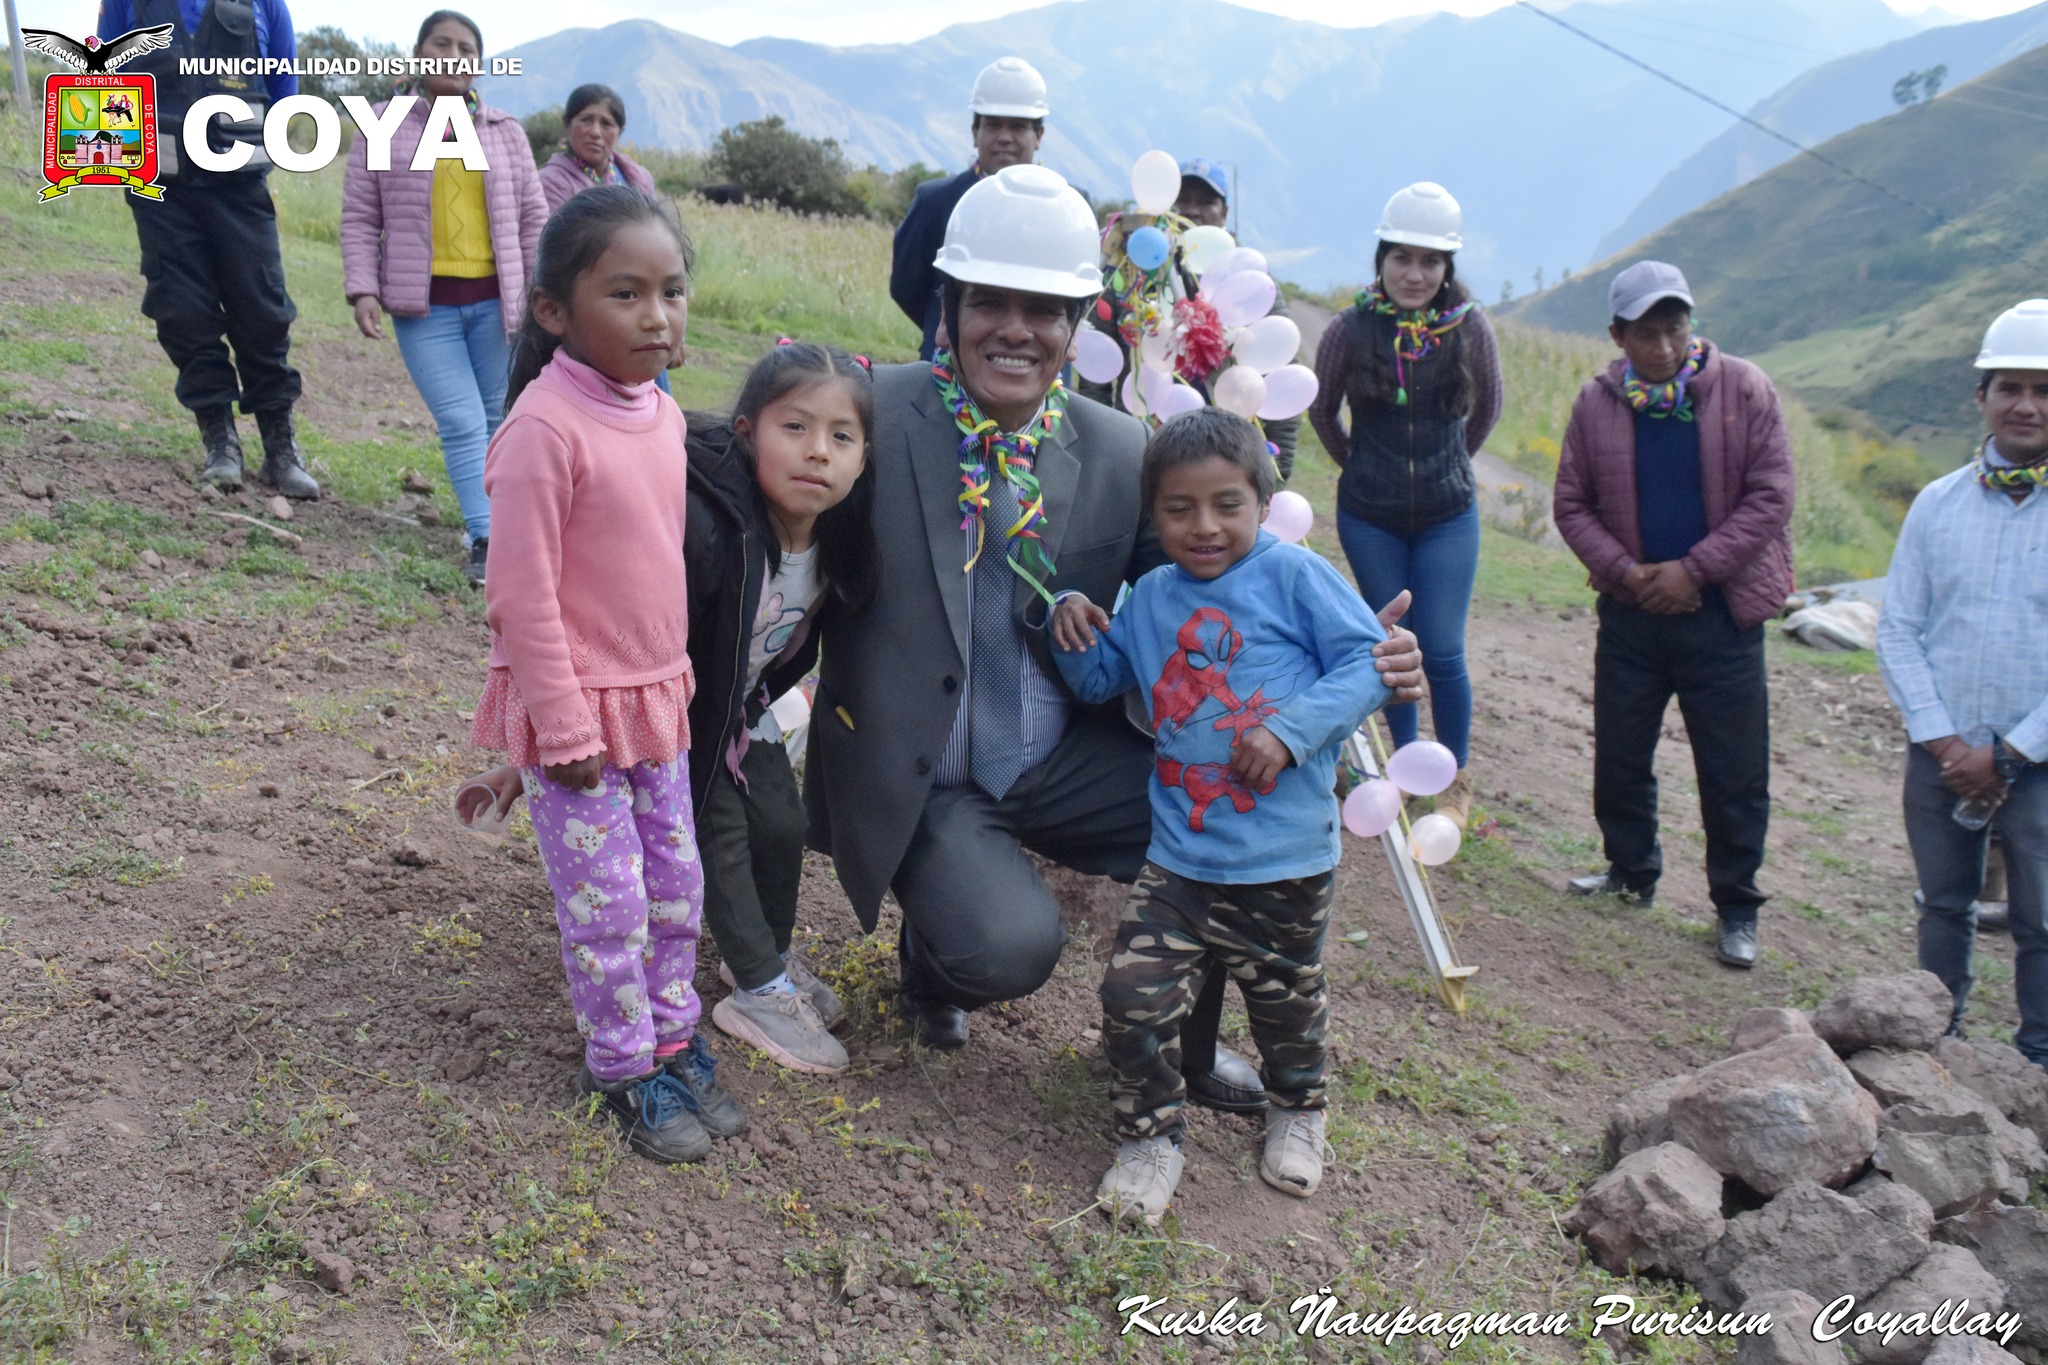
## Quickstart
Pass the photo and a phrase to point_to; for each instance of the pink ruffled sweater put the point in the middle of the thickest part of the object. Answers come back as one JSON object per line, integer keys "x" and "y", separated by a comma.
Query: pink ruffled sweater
{"x": 584, "y": 592}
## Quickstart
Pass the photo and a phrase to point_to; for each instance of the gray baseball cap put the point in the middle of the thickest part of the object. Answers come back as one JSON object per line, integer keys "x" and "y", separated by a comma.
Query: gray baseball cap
{"x": 1642, "y": 286}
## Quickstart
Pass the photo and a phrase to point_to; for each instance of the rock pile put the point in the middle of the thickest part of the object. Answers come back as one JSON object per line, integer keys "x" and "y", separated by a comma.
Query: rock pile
{"x": 1858, "y": 1151}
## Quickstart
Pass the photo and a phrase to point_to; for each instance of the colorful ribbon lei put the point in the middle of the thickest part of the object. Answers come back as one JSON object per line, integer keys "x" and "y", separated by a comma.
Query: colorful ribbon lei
{"x": 1670, "y": 398}
{"x": 2008, "y": 478}
{"x": 987, "y": 453}
{"x": 1417, "y": 332}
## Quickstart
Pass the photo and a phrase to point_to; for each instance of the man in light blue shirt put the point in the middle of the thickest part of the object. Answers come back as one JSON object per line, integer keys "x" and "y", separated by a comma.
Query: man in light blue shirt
{"x": 1963, "y": 642}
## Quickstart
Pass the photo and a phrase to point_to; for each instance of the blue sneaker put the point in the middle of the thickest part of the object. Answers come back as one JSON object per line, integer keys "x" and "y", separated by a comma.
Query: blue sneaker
{"x": 657, "y": 1114}
{"x": 695, "y": 1070}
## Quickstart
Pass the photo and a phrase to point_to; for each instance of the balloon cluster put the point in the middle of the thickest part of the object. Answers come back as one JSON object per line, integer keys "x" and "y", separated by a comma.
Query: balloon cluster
{"x": 1422, "y": 768}
{"x": 1221, "y": 334}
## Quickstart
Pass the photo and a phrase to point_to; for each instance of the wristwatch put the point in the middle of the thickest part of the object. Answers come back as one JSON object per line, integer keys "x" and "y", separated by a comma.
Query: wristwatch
{"x": 2009, "y": 762}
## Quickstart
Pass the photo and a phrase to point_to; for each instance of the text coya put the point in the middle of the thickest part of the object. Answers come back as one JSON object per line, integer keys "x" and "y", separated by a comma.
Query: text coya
{"x": 450, "y": 134}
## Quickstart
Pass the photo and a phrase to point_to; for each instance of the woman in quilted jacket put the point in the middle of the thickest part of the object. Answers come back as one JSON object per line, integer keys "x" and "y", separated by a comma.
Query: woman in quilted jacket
{"x": 448, "y": 252}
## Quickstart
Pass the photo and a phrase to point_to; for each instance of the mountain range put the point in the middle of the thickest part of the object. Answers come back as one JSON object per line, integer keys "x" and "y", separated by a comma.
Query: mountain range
{"x": 1869, "y": 293}
{"x": 1545, "y": 138}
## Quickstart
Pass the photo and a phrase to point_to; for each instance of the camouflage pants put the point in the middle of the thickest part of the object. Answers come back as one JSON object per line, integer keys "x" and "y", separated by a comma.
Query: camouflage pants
{"x": 1269, "y": 936}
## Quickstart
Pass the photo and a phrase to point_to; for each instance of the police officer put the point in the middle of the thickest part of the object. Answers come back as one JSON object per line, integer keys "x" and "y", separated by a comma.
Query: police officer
{"x": 1009, "y": 123}
{"x": 209, "y": 246}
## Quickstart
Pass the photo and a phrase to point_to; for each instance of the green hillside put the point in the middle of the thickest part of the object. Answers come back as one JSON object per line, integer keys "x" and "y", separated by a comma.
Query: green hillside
{"x": 1852, "y": 299}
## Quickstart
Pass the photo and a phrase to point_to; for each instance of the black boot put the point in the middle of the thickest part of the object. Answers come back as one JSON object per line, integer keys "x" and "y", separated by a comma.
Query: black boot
{"x": 223, "y": 448}
{"x": 282, "y": 468}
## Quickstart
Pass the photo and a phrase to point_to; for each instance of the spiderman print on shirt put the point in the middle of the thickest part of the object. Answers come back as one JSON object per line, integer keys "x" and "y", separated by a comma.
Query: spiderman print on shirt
{"x": 1196, "y": 713}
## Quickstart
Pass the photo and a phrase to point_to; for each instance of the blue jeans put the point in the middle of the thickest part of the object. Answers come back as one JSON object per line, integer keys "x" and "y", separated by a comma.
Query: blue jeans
{"x": 459, "y": 361}
{"x": 1438, "y": 566}
{"x": 1950, "y": 862}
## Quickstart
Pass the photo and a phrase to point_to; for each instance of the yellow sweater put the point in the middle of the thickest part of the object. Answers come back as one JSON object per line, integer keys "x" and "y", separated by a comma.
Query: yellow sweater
{"x": 462, "y": 223}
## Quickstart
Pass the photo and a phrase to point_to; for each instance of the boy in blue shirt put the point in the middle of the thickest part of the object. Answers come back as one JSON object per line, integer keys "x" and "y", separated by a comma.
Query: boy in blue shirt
{"x": 1257, "y": 662}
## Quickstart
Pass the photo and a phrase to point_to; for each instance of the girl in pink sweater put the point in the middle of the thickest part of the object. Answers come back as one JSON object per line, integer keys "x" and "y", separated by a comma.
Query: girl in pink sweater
{"x": 590, "y": 680}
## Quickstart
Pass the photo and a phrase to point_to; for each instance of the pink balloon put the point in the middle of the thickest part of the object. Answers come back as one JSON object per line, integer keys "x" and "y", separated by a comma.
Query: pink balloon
{"x": 1232, "y": 263}
{"x": 1267, "y": 344}
{"x": 1423, "y": 768}
{"x": 1153, "y": 386}
{"x": 1243, "y": 298}
{"x": 1372, "y": 808}
{"x": 1289, "y": 516}
{"x": 1133, "y": 403}
{"x": 1289, "y": 391}
{"x": 1240, "y": 389}
{"x": 1179, "y": 399}
{"x": 1097, "y": 359}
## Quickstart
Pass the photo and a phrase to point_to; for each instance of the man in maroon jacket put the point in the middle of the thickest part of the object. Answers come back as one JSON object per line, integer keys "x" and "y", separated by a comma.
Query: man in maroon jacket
{"x": 1675, "y": 489}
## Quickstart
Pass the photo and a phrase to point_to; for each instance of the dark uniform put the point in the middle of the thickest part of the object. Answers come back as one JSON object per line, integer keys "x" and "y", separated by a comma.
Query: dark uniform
{"x": 913, "y": 281}
{"x": 215, "y": 276}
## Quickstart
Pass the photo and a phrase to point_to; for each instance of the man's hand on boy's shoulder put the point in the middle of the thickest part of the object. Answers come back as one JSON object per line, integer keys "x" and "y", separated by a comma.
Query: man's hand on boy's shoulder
{"x": 1258, "y": 758}
{"x": 1399, "y": 656}
{"x": 1075, "y": 622}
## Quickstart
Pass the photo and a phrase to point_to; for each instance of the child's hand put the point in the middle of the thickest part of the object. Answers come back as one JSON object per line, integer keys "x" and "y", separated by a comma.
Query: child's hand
{"x": 1075, "y": 621}
{"x": 474, "y": 802}
{"x": 579, "y": 776}
{"x": 1258, "y": 758}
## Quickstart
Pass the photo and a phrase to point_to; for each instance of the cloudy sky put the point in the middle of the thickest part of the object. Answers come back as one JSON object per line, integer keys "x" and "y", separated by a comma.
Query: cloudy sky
{"x": 509, "y": 22}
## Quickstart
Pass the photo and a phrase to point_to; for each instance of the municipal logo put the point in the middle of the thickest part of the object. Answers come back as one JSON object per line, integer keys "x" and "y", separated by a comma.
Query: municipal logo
{"x": 99, "y": 127}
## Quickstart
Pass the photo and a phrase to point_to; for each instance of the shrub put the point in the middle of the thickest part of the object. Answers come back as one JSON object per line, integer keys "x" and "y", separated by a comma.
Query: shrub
{"x": 543, "y": 132}
{"x": 329, "y": 41}
{"x": 773, "y": 162}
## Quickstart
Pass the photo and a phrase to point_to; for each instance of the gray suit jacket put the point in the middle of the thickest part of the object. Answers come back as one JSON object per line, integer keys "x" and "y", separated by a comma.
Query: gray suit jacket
{"x": 889, "y": 686}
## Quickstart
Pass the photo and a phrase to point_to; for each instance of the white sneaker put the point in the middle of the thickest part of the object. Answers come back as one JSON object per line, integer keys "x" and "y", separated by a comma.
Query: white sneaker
{"x": 1141, "y": 1182}
{"x": 1295, "y": 1151}
{"x": 823, "y": 998}
{"x": 785, "y": 1026}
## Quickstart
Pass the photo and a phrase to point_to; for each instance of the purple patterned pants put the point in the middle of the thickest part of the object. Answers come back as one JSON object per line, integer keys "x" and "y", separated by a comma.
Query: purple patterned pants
{"x": 629, "y": 897}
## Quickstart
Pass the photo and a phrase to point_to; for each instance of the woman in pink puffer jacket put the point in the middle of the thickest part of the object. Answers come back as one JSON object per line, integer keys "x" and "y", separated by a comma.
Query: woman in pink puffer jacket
{"x": 448, "y": 253}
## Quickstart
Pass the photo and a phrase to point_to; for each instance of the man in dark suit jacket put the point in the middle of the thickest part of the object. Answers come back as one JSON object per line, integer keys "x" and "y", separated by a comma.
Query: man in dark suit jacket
{"x": 1009, "y": 123}
{"x": 912, "y": 785}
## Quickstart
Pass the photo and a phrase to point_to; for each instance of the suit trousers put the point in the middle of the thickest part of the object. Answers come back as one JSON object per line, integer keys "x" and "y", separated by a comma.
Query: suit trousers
{"x": 1716, "y": 669}
{"x": 214, "y": 277}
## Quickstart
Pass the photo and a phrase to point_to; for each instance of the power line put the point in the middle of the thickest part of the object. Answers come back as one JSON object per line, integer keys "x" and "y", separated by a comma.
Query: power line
{"x": 1732, "y": 112}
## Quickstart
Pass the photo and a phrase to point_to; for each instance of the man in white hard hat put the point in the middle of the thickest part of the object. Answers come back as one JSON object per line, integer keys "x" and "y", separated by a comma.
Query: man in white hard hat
{"x": 945, "y": 744}
{"x": 1008, "y": 110}
{"x": 1675, "y": 489}
{"x": 1963, "y": 643}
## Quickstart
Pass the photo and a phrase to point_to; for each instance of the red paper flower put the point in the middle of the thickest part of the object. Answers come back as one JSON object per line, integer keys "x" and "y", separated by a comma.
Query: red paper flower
{"x": 1202, "y": 347}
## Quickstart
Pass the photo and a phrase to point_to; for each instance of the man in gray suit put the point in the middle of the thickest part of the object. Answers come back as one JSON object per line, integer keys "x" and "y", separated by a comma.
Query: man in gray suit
{"x": 944, "y": 744}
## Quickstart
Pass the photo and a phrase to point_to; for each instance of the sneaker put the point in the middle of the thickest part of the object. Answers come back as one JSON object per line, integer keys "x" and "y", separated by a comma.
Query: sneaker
{"x": 785, "y": 1025}
{"x": 1295, "y": 1151}
{"x": 716, "y": 1109}
{"x": 1607, "y": 884}
{"x": 1455, "y": 803}
{"x": 655, "y": 1113}
{"x": 479, "y": 551}
{"x": 1140, "y": 1183}
{"x": 823, "y": 998}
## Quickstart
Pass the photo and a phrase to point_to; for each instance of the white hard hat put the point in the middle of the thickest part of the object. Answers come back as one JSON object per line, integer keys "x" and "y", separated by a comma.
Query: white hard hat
{"x": 1424, "y": 215}
{"x": 1009, "y": 87}
{"x": 2017, "y": 338}
{"x": 1024, "y": 228}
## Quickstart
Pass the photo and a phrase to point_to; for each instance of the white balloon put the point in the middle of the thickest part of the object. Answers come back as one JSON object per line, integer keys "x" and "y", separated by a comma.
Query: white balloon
{"x": 1434, "y": 839}
{"x": 1200, "y": 247}
{"x": 1289, "y": 391}
{"x": 1289, "y": 517}
{"x": 1267, "y": 344}
{"x": 1243, "y": 298}
{"x": 1240, "y": 389}
{"x": 1179, "y": 399}
{"x": 1235, "y": 262}
{"x": 1155, "y": 182}
{"x": 1157, "y": 350}
{"x": 1097, "y": 358}
{"x": 1153, "y": 386}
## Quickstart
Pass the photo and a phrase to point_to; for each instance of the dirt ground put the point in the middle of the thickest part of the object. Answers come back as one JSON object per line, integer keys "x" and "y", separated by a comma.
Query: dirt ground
{"x": 284, "y": 1055}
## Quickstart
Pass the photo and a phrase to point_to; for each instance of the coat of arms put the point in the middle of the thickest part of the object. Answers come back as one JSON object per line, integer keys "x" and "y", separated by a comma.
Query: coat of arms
{"x": 99, "y": 127}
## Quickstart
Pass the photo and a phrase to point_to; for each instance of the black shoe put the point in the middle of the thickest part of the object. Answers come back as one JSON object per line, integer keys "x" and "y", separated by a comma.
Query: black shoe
{"x": 282, "y": 467}
{"x": 479, "y": 551}
{"x": 940, "y": 1026}
{"x": 223, "y": 448}
{"x": 1232, "y": 1086}
{"x": 1607, "y": 884}
{"x": 1991, "y": 917}
{"x": 1737, "y": 947}
{"x": 654, "y": 1112}
{"x": 715, "y": 1107}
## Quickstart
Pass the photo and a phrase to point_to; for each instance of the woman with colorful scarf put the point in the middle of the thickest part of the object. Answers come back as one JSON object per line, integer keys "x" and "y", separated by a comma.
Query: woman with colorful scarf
{"x": 448, "y": 253}
{"x": 592, "y": 121}
{"x": 1417, "y": 361}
